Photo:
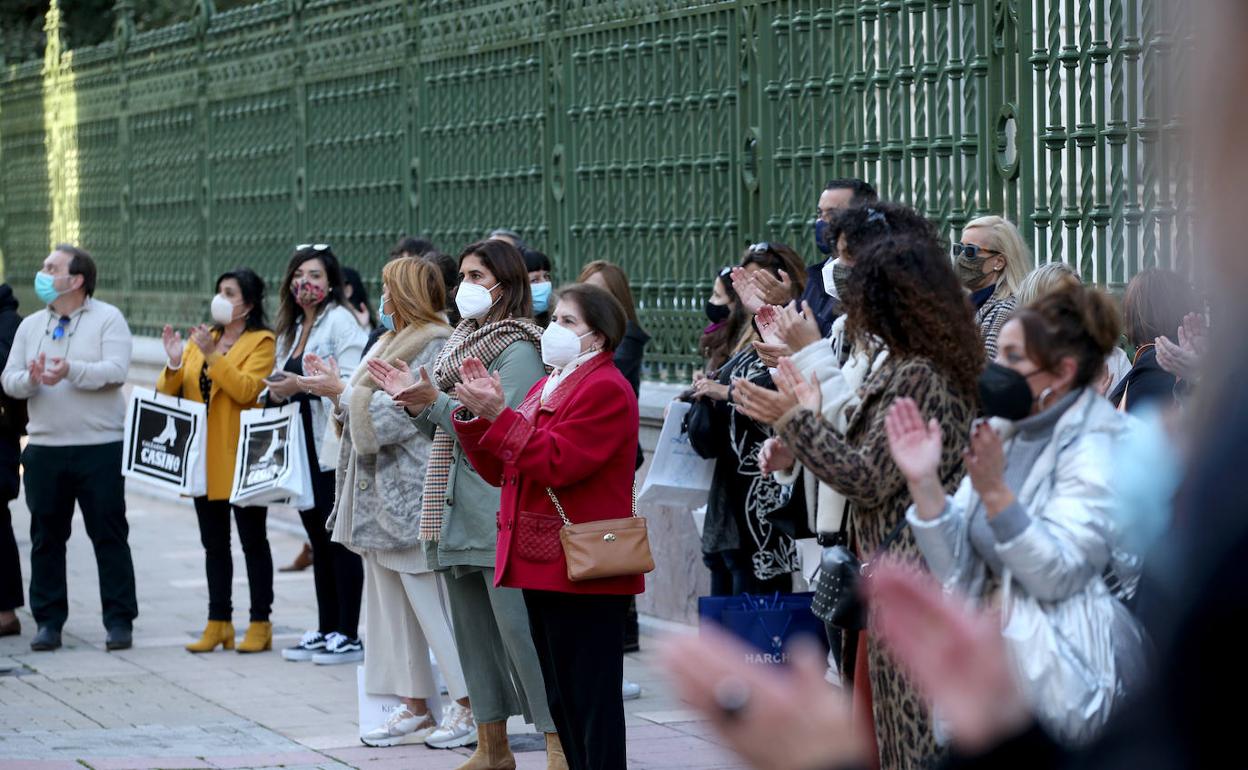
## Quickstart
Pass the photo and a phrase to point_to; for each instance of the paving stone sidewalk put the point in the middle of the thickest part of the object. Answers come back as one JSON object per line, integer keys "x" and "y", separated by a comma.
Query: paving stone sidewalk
{"x": 157, "y": 706}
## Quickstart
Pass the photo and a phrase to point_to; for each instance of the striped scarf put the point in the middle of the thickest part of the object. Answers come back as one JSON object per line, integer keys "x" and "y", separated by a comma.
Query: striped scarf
{"x": 469, "y": 340}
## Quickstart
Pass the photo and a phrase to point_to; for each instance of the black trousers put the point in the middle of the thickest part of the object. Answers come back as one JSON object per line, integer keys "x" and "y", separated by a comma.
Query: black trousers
{"x": 56, "y": 478}
{"x": 10, "y": 560}
{"x": 578, "y": 639}
{"x": 214, "y": 533}
{"x": 732, "y": 574}
{"x": 337, "y": 572}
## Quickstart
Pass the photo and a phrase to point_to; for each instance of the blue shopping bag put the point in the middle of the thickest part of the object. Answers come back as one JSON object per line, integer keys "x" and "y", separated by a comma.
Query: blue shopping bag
{"x": 766, "y": 623}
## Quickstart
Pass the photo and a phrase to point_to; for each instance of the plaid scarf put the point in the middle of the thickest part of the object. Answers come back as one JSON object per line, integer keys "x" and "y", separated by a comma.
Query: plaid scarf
{"x": 469, "y": 340}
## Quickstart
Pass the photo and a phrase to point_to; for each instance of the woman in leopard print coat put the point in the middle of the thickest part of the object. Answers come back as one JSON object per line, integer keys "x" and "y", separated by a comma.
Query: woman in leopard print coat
{"x": 902, "y": 294}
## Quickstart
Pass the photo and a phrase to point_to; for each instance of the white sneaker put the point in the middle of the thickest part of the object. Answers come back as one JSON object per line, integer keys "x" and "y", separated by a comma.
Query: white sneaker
{"x": 339, "y": 649}
{"x": 311, "y": 643}
{"x": 457, "y": 729}
{"x": 630, "y": 690}
{"x": 402, "y": 727}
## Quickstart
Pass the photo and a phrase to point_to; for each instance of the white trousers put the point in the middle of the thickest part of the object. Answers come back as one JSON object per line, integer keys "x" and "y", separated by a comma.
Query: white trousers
{"x": 405, "y": 616}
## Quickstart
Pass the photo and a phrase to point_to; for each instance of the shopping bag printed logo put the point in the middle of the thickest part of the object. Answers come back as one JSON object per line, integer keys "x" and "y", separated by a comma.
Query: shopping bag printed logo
{"x": 267, "y": 458}
{"x": 162, "y": 442}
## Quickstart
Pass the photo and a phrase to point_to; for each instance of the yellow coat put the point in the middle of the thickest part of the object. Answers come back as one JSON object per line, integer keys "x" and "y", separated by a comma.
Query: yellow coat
{"x": 237, "y": 381}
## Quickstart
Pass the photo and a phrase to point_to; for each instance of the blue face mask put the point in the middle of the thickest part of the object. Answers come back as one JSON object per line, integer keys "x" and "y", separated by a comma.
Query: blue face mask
{"x": 45, "y": 288}
{"x": 541, "y": 296}
{"x": 821, "y": 237}
{"x": 387, "y": 319}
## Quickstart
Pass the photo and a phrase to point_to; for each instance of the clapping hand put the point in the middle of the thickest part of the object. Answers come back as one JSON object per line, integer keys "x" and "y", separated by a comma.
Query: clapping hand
{"x": 790, "y": 382}
{"x": 774, "y": 291}
{"x": 35, "y": 369}
{"x": 202, "y": 337}
{"x": 321, "y": 377}
{"x": 797, "y": 329}
{"x": 760, "y": 404}
{"x": 1183, "y": 360}
{"x": 956, "y": 658}
{"x": 747, "y": 290}
{"x": 55, "y": 370}
{"x": 415, "y": 394}
{"x": 172, "y": 341}
{"x": 775, "y": 456}
{"x": 480, "y": 391}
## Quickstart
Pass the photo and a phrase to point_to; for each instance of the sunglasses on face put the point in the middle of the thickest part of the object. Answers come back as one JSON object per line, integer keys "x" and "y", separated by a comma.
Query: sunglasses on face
{"x": 969, "y": 250}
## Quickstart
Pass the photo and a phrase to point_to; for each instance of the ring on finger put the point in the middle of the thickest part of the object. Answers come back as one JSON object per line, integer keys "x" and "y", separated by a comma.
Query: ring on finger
{"x": 732, "y": 696}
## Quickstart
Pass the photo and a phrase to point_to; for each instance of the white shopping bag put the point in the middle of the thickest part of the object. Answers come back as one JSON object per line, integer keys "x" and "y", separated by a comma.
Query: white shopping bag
{"x": 271, "y": 466}
{"x": 374, "y": 710}
{"x": 677, "y": 474}
{"x": 166, "y": 442}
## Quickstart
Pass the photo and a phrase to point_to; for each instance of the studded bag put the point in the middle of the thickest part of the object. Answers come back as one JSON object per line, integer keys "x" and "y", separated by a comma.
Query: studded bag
{"x": 838, "y": 601}
{"x": 604, "y": 549}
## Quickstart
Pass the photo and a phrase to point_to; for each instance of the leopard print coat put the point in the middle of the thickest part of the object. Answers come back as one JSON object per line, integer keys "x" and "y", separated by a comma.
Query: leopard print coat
{"x": 860, "y": 467}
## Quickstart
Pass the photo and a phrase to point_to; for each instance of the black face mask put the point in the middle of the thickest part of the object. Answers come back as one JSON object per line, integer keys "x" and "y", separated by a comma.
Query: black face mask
{"x": 1005, "y": 393}
{"x": 717, "y": 313}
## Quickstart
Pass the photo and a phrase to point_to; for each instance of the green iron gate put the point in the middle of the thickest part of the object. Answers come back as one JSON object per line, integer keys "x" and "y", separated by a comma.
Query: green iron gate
{"x": 657, "y": 134}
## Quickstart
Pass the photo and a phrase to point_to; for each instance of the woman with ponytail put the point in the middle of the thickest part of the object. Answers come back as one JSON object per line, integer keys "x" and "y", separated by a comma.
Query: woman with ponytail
{"x": 1030, "y": 526}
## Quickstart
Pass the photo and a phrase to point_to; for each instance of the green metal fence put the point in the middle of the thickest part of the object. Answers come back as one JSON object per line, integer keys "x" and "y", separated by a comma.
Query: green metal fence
{"x": 658, "y": 134}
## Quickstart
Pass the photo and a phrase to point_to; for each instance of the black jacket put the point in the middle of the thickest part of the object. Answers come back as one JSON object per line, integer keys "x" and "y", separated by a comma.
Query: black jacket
{"x": 629, "y": 355}
{"x": 1146, "y": 384}
{"x": 12, "y": 411}
{"x": 825, "y": 308}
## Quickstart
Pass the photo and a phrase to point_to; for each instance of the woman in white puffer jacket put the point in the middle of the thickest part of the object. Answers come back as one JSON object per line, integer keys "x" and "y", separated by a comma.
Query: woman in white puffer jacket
{"x": 1031, "y": 525}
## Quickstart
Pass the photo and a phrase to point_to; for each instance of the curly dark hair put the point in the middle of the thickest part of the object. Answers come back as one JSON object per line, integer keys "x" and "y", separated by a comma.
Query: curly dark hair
{"x": 903, "y": 292}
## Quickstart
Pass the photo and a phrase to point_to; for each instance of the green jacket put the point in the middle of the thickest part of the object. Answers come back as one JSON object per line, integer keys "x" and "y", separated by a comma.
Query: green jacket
{"x": 470, "y": 514}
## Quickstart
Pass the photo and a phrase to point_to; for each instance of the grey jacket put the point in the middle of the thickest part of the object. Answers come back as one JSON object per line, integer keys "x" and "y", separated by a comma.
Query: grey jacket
{"x": 470, "y": 516}
{"x": 335, "y": 332}
{"x": 1075, "y": 647}
{"x": 382, "y": 455}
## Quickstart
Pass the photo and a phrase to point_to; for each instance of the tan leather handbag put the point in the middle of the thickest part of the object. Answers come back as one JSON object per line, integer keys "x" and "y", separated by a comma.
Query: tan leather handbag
{"x": 607, "y": 548}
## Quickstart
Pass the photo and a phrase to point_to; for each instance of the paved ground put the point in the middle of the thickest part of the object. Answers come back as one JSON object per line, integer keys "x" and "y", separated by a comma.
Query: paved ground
{"x": 157, "y": 706}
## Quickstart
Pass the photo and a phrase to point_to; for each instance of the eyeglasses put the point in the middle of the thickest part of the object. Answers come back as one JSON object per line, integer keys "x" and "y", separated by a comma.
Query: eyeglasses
{"x": 62, "y": 324}
{"x": 971, "y": 251}
{"x": 313, "y": 246}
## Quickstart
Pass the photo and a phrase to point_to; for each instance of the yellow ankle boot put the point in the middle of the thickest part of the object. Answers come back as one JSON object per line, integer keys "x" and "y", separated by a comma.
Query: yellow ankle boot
{"x": 217, "y": 632}
{"x": 493, "y": 751}
{"x": 259, "y": 637}
{"x": 555, "y": 758}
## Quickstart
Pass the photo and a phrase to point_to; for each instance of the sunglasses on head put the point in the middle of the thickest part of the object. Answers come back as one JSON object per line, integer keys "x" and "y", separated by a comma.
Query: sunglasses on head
{"x": 763, "y": 247}
{"x": 970, "y": 250}
{"x": 313, "y": 246}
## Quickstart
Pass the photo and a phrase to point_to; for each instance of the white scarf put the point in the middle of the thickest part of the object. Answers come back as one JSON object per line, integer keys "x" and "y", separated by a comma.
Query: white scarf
{"x": 558, "y": 375}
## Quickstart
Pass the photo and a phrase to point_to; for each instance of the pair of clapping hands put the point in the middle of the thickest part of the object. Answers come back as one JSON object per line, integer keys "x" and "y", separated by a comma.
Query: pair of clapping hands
{"x": 479, "y": 391}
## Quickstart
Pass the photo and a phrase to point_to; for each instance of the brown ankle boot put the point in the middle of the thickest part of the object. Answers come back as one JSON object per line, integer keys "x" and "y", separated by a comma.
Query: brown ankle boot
{"x": 555, "y": 759}
{"x": 217, "y": 632}
{"x": 259, "y": 637}
{"x": 493, "y": 752}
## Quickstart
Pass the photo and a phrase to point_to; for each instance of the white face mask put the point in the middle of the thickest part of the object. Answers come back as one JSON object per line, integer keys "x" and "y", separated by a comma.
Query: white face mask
{"x": 560, "y": 345}
{"x": 222, "y": 310}
{"x": 473, "y": 300}
{"x": 831, "y": 269}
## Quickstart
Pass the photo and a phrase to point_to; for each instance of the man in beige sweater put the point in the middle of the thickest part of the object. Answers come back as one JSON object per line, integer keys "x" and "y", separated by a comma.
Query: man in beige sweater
{"x": 69, "y": 361}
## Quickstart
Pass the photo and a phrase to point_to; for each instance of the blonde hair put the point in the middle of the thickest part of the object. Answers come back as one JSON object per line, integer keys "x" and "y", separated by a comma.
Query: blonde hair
{"x": 1044, "y": 280}
{"x": 1004, "y": 237}
{"x": 415, "y": 290}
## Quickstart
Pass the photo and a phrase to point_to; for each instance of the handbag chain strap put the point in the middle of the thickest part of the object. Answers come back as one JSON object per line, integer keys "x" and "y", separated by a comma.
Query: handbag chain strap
{"x": 564, "y": 516}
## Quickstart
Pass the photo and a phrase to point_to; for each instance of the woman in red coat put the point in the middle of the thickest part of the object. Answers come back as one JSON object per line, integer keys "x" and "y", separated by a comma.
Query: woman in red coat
{"x": 575, "y": 433}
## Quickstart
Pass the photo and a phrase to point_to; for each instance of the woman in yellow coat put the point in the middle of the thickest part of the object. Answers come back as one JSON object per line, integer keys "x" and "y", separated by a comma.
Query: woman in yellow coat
{"x": 224, "y": 366}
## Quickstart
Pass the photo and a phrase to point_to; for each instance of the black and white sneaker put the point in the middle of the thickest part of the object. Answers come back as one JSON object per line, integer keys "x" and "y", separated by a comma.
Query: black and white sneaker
{"x": 339, "y": 649}
{"x": 311, "y": 643}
